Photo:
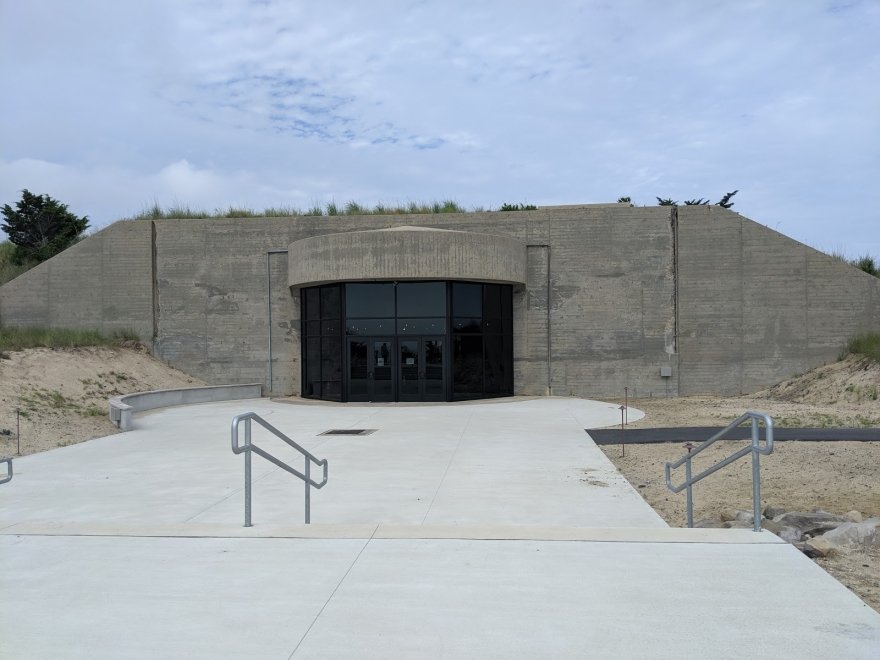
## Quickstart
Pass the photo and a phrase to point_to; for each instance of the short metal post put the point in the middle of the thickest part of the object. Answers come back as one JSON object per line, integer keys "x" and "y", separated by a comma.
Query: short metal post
{"x": 17, "y": 432}
{"x": 308, "y": 491}
{"x": 756, "y": 478}
{"x": 690, "y": 494}
{"x": 247, "y": 473}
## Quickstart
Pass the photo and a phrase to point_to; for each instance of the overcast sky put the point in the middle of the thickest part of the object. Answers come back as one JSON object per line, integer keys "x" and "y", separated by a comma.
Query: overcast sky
{"x": 112, "y": 106}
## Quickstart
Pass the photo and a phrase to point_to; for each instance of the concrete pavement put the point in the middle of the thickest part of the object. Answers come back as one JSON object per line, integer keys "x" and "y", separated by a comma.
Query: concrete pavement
{"x": 483, "y": 530}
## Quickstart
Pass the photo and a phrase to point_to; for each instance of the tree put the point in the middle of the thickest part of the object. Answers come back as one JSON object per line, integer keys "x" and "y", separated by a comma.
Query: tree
{"x": 725, "y": 202}
{"x": 40, "y": 227}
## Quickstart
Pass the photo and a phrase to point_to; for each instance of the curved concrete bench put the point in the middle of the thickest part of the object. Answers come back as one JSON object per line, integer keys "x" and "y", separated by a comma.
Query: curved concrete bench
{"x": 123, "y": 408}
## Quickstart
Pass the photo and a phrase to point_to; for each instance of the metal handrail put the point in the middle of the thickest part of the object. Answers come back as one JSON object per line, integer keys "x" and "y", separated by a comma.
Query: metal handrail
{"x": 249, "y": 447}
{"x": 8, "y": 476}
{"x": 755, "y": 449}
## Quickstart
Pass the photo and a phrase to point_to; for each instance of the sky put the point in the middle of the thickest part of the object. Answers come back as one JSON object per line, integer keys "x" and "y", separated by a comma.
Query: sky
{"x": 113, "y": 106}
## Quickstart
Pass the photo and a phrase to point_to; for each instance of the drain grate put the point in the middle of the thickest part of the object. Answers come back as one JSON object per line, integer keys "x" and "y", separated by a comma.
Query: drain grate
{"x": 348, "y": 432}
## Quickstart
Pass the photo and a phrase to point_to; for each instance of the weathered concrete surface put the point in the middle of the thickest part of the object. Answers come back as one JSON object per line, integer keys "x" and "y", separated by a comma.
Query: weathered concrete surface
{"x": 104, "y": 282}
{"x": 611, "y": 295}
{"x": 755, "y": 306}
{"x": 123, "y": 408}
{"x": 406, "y": 253}
{"x": 103, "y": 557}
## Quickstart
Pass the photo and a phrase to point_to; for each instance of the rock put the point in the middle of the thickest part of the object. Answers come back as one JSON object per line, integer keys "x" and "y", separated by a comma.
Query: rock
{"x": 709, "y": 522}
{"x": 773, "y": 511}
{"x": 866, "y": 532}
{"x": 745, "y": 516}
{"x": 789, "y": 533}
{"x": 815, "y": 523}
{"x": 854, "y": 516}
{"x": 727, "y": 514}
{"x": 771, "y": 526}
{"x": 819, "y": 547}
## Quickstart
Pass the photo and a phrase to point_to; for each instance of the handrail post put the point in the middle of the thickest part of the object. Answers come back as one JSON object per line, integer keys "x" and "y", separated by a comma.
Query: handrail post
{"x": 690, "y": 492}
{"x": 308, "y": 478}
{"x": 756, "y": 478}
{"x": 247, "y": 473}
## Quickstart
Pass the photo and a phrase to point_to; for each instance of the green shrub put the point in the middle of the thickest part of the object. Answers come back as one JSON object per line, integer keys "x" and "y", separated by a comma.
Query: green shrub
{"x": 9, "y": 270}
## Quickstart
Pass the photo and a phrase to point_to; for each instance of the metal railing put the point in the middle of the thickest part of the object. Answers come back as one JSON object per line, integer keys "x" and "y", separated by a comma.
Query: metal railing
{"x": 755, "y": 449}
{"x": 249, "y": 447}
{"x": 8, "y": 476}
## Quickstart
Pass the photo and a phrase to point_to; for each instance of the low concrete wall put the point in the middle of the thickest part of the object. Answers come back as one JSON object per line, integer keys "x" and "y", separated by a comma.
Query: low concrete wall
{"x": 122, "y": 408}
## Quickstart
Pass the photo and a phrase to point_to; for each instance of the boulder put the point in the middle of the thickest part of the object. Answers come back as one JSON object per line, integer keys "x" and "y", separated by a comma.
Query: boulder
{"x": 854, "y": 516}
{"x": 819, "y": 547}
{"x": 745, "y": 516}
{"x": 789, "y": 533}
{"x": 737, "y": 524}
{"x": 709, "y": 522}
{"x": 815, "y": 523}
{"x": 771, "y": 526}
{"x": 773, "y": 511}
{"x": 866, "y": 532}
{"x": 727, "y": 514}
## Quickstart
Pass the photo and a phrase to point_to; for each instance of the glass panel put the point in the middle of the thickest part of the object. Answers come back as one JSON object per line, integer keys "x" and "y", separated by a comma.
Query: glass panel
{"x": 331, "y": 358}
{"x": 492, "y": 326}
{"x": 330, "y": 327}
{"x": 492, "y": 300}
{"x": 311, "y": 299}
{"x": 494, "y": 379}
{"x": 369, "y": 327}
{"x": 467, "y": 299}
{"x": 331, "y": 390}
{"x": 421, "y": 326}
{"x": 467, "y": 365}
{"x": 369, "y": 300}
{"x": 313, "y": 328}
{"x": 357, "y": 361}
{"x": 466, "y": 325}
{"x": 409, "y": 368}
{"x": 330, "y": 302}
{"x": 506, "y": 301}
{"x": 434, "y": 389}
{"x": 421, "y": 299}
{"x": 383, "y": 372}
{"x": 312, "y": 378}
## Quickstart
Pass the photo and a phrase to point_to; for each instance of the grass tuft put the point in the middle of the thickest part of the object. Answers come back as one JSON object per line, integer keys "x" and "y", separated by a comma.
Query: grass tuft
{"x": 16, "y": 339}
{"x": 867, "y": 344}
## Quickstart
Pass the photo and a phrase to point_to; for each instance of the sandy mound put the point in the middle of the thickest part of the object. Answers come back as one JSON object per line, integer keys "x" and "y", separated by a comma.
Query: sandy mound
{"x": 62, "y": 394}
{"x": 855, "y": 379}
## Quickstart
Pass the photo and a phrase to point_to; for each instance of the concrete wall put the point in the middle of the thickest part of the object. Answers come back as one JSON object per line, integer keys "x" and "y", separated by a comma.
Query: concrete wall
{"x": 606, "y": 264}
{"x": 600, "y": 291}
{"x": 105, "y": 282}
{"x": 756, "y": 306}
{"x": 406, "y": 253}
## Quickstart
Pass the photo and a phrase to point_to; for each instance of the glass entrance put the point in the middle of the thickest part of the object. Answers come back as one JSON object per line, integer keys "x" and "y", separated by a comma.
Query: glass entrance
{"x": 370, "y": 369}
{"x": 407, "y": 341}
{"x": 421, "y": 369}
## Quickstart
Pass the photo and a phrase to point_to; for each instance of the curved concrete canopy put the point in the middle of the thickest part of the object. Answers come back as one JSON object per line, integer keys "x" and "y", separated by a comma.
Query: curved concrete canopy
{"x": 406, "y": 253}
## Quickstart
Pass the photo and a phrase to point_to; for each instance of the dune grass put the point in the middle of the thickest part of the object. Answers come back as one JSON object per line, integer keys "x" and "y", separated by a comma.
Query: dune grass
{"x": 9, "y": 270}
{"x": 15, "y": 339}
{"x": 867, "y": 344}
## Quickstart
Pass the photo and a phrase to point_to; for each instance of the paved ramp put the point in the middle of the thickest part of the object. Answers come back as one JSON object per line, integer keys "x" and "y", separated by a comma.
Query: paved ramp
{"x": 480, "y": 530}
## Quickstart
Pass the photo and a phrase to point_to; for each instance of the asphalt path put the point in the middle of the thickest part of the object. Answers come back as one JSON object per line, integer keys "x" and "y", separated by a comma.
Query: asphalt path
{"x": 700, "y": 433}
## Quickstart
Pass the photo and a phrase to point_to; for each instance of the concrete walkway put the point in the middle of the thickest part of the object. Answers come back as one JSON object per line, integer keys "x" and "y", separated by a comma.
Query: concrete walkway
{"x": 481, "y": 530}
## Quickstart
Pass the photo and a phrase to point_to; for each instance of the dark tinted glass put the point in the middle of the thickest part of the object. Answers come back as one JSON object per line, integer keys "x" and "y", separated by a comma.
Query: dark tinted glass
{"x": 312, "y": 302}
{"x": 369, "y": 300}
{"x": 494, "y": 365}
{"x": 467, "y": 299}
{"x": 313, "y": 367}
{"x": 506, "y": 301}
{"x": 330, "y": 302}
{"x": 492, "y": 300}
{"x": 466, "y": 325}
{"x": 421, "y": 326}
{"x": 467, "y": 365}
{"x": 421, "y": 299}
{"x": 313, "y": 328}
{"x": 367, "y": 327}
{"x": 331, "y": 358}
{"x": 330, "y": 327}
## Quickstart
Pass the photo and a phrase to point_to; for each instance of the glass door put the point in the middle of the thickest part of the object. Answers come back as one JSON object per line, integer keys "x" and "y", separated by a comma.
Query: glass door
{"x": 382, "y": 364}
{"x": 410, "y": 370}
{"x": 358, "y": 370}
{"x": 434, "y": 381}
